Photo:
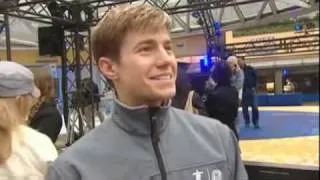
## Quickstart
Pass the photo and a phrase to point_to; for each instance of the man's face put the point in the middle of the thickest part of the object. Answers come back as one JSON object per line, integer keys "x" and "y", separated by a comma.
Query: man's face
{"x": 233, "y": 64}
{"x": 241, "y": 63}
{"x": 147, "y": 69}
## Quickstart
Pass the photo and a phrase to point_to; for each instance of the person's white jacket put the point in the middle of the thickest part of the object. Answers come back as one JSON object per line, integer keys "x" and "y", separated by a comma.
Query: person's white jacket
{"x": 32, "y": 153}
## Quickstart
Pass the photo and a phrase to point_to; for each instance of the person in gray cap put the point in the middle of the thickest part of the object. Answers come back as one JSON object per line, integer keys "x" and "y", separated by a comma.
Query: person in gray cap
{"x": 24, "y": 153}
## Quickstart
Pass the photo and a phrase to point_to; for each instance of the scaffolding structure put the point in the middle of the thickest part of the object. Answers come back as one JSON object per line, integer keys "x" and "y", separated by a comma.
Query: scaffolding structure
{"x": 76, "y": 17}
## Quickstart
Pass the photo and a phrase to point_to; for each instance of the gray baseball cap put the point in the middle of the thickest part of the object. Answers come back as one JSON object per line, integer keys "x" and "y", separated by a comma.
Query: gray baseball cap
{"x": 16, "y": 80}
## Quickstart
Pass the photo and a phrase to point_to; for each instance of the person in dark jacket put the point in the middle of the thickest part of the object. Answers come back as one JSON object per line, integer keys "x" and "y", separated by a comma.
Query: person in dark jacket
{"x": 249, "y": 97}
{"x": 44, "y": 115}
{"x": 183, "y": 87}
{"x": 222, "y": 101}
{"x": 90, "y": 96}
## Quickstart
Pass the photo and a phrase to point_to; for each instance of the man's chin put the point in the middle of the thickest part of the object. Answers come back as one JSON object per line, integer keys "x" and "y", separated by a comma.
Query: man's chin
{"x": 162, "y": 96}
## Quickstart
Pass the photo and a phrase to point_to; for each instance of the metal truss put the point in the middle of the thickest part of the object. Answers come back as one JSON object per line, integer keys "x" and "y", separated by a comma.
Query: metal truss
{"x": 165, "y": 4}
{"x": 275, "y": 46}
{"x": 268, "y": 13}
{"x": 215, "y": 42}
{"x": 40, "y": 11}
{"x": 196, "y": 5}
{"x": 274, "y": 16}
{"x": 206, "y": 20}
{"x": 76, "y": 17}
{"x": 181, "y": 11}
{"x": 4, "y": 26}
{"x": 76, "y": 61}
{"x": 63, "y": 12}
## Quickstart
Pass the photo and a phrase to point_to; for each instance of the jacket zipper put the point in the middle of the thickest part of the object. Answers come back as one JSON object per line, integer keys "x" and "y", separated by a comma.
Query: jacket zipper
{"x": 155, "y": 144}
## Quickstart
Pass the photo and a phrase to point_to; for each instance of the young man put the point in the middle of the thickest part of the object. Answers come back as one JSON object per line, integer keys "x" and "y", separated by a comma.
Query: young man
{"x": 145, "y": 138}
{"x": 249, "y": 96}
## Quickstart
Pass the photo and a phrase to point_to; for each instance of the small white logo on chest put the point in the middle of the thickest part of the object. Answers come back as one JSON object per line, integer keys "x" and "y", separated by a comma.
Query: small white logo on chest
{"x": 198, "y": 175}
{"x": 215, "y": 174}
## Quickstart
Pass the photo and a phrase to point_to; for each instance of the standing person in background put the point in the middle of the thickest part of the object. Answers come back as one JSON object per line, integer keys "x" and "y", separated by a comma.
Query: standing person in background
{"x": 289, "y": 87}
{"x": 237, "y": 80}
{"x": 183, "y": 87}
{"x": 24, "y": 152}
{"x": 222, "y": 102}
{"x": 186, "y": 98}
{"x": 249, "y": 94}
{"x": 44, "y": 115}
{"x": 90, "y": 98}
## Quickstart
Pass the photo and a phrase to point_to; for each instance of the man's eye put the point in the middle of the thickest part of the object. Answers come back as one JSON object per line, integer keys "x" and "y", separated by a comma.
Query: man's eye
{"x": 168, "y": 48}
{"x": 145, "y": 49}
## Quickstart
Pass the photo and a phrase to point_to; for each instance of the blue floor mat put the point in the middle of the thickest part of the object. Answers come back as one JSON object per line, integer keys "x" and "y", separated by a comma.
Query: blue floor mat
{"x": 275, "y": 124}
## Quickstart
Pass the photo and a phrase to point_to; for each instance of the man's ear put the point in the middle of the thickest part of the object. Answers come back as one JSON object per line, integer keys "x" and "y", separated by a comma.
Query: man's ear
{"x": 108, "y": 68}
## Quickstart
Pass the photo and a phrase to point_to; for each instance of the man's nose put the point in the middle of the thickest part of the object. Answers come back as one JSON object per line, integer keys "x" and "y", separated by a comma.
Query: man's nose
{"x": 165, "y": 57}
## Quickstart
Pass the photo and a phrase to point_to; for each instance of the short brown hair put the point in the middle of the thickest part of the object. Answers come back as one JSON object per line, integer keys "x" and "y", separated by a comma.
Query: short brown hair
{"x": 109, "y": 33}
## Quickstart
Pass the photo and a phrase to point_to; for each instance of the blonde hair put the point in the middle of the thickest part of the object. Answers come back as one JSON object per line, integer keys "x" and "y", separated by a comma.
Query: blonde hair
{"x": 109, "y": 33}
{"x": 45, "y": 82}
{"x": 14, "y": 112}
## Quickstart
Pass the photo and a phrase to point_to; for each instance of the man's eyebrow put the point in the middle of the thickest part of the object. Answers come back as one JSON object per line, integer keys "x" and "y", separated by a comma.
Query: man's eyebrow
{"x": 152, "y": 41}
{"x": 168, "y": 42}
{"x": 147, "y": 41}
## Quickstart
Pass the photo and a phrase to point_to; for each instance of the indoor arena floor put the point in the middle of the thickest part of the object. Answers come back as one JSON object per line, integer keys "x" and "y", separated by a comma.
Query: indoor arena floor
{"x": 288, "y": 136}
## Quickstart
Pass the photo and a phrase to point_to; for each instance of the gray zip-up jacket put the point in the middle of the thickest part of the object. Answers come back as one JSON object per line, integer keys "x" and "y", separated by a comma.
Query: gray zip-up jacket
{"x": 144, "y": 143}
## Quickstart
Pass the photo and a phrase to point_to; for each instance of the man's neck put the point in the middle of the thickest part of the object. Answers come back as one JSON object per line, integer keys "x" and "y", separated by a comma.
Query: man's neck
{"x": 134, "y": 103}
{"x": 158, "y": 103}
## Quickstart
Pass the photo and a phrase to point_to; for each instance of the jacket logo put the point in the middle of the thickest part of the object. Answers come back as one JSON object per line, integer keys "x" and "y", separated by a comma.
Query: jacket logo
{"x": 198, "y": 175}
{"x": 215, "y": 174}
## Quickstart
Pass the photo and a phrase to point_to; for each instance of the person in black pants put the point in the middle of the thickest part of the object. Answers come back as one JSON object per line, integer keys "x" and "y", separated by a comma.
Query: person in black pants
{"x": 249, "y": 97}
{"x": 222, "y": 102}
{"x": 183, "y": 87}
{"x": 44, "y": 115}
